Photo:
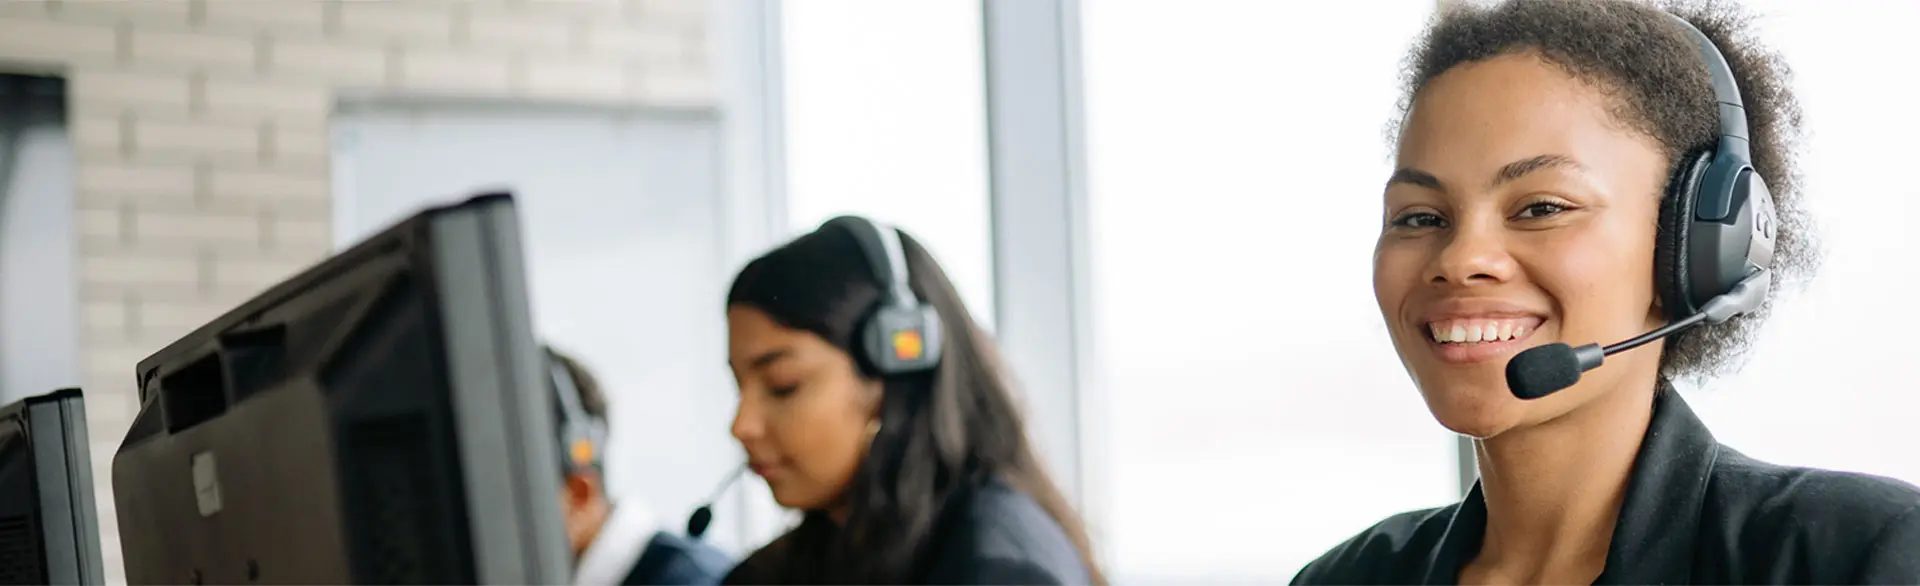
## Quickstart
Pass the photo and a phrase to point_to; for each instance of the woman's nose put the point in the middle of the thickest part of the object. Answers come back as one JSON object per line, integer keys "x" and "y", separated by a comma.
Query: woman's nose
{"x": 1473, "y": 255}
{"x": 747, "y": 425}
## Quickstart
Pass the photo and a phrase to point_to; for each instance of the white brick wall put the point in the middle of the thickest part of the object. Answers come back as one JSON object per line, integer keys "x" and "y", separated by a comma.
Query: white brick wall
{"x": 201, "y": 133}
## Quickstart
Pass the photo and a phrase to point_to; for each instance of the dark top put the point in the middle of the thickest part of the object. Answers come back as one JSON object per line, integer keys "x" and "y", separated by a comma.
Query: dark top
{"x": 997, "y": 535}
{"x": 674, "y": 560}
{"x": 1696, "y": 512}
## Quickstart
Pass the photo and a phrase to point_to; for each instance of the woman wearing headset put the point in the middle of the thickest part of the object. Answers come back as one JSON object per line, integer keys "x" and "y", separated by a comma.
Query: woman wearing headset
{"x": 1531, "y": 206}
{"x": 876, "y": 406}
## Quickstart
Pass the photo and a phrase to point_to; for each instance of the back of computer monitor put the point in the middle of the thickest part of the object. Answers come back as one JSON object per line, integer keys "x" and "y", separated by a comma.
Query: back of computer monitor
{"x": 49, "y": 533}
{"x": 375, "y": 419}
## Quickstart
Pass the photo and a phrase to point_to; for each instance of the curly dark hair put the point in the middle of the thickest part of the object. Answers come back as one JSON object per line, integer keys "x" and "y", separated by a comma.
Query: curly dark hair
{"x": 1647, "y": 63}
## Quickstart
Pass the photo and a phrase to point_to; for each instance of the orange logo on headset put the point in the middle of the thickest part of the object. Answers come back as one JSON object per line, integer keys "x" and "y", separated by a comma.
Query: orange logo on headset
{"x": 582, "y": 452}
{"x": 907, "y": 344}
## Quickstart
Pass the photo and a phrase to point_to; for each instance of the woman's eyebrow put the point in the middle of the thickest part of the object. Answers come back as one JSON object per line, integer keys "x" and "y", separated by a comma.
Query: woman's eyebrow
{"x": 1522, "y": 167}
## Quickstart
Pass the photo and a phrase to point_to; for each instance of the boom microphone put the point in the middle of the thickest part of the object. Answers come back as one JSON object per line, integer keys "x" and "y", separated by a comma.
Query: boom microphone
{"x": 1544, "y": 370}
{"x": 703, "y": 516}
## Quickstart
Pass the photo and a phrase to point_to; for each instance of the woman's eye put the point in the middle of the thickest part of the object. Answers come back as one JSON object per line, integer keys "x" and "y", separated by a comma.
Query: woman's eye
{"x": 1540, "y": 210}
{"x": 782, "y": 391}
{"x": 1419, "y": 220}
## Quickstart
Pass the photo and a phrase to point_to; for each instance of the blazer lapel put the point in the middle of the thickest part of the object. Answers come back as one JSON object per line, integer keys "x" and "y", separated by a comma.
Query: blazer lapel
{"x": 1653, "y": 541}
{"x": 1461, "y": 541}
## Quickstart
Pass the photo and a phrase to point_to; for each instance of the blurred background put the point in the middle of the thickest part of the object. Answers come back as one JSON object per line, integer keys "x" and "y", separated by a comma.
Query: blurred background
{"x": 1164, "y": 210}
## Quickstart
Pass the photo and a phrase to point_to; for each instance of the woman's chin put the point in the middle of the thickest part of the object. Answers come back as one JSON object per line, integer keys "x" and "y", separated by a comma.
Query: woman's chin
{"x": 1474, "y": 411}
{"x": 792, "y": 500}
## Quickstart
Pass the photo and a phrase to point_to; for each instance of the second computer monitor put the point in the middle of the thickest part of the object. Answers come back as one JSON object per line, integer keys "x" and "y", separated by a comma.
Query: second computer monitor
{"x": 377, "y": 419}
{"x": 49, "y": 533}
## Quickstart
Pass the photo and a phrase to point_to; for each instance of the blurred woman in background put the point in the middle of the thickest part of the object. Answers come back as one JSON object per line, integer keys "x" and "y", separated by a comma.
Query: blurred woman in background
{"x": 1553, "y": 185}
{"x": 871, "y": 401}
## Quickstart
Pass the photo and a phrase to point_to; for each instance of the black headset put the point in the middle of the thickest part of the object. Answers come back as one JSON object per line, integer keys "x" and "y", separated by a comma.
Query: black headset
{"x": 582, "y": 435}
{"x": 902, "y": 336}
{"x": 1717, "y": 222}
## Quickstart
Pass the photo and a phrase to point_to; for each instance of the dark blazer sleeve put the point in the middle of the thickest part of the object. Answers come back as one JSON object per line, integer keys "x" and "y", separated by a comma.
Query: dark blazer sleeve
{"x": 1004, "y": 537}
{"x": 1000, "y": 537}
{"x": 672, "y": 559}
{"x": 762, "y": 566}
{"x": 1894, "y": 556}
{"x": 1005, "y": 572}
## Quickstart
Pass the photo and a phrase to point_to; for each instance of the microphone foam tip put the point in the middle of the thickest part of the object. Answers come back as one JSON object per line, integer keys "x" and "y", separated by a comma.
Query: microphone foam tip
{"x": 1542, "y": 370}
{"x": 697, "y": 525}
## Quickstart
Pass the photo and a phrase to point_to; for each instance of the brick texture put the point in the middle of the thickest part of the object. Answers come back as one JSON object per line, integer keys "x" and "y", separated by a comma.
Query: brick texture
{"x": 201, "y": 131}
{"x": 135, "y": 92}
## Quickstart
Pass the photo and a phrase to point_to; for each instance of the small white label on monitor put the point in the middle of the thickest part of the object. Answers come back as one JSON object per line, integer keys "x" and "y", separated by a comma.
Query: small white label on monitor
{"x": 206, "y": 484}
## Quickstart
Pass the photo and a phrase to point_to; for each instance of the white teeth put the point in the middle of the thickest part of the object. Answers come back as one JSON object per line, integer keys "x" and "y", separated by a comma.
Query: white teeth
{"x": 1471, "y": 331}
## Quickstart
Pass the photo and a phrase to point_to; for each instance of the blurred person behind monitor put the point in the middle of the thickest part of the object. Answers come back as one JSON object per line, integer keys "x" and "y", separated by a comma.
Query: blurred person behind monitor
{"x": 613, "y": 544}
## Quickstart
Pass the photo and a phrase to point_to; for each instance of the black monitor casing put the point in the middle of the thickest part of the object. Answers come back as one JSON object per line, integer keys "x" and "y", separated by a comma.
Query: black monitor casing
{"x": 49, "y": 530}
{"x": 376, "y": 419}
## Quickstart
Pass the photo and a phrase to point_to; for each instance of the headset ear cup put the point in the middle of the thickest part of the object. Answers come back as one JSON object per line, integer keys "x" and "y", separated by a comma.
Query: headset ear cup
{"x": 935, "y": 334}
{"x": 1670, "y": 264}
{"x": 868, "y": 356}
{"x": 897, "y": 340}
{"x": 877, "y": 342}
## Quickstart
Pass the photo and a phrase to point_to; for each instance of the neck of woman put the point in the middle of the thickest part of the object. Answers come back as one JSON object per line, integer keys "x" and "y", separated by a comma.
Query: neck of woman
{"x": 1554, "y": 491}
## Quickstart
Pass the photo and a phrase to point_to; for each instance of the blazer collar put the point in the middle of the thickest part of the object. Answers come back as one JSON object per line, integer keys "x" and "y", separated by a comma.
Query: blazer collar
{"x": 1654, "y": 537}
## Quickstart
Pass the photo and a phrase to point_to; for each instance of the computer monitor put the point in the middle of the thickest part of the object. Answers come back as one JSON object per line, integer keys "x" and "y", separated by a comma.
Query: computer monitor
{"x": 377, "y": 419}
{"x": 49, "y": 532}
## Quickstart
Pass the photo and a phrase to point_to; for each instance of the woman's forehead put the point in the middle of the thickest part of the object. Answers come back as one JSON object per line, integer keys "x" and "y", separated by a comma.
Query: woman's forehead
{"x": 1483, "y": 117}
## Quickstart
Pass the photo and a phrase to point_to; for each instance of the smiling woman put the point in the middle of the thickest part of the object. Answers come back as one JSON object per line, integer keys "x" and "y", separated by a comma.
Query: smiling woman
{"x": 1553, "y": 160}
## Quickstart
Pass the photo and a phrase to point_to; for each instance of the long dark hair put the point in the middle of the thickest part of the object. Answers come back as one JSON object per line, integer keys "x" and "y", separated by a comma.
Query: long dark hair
{"x": 942, "y": 433}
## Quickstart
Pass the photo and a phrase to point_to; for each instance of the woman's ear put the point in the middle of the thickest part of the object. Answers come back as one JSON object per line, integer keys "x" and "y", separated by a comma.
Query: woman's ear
{"x": 580, "y": 488}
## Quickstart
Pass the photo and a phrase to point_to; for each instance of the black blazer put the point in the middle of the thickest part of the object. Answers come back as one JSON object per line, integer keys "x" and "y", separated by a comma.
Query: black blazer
{"x": 1696, "y": 512}
{"x": 995, "y": 535}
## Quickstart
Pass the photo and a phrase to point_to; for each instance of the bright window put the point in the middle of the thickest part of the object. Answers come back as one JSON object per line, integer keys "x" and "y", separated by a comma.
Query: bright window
{"x": 886, "y": 118}
{"x": 1259, "y": 413}
{"x": 39, "y": 343}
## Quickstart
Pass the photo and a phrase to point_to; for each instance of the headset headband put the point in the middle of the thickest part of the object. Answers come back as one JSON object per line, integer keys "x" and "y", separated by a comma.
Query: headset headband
{"x": 885, "y": 254}
{"x": 1726, "y": 91}
{"x": 563, "y": 385}
{"x": 581, "y": 433}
